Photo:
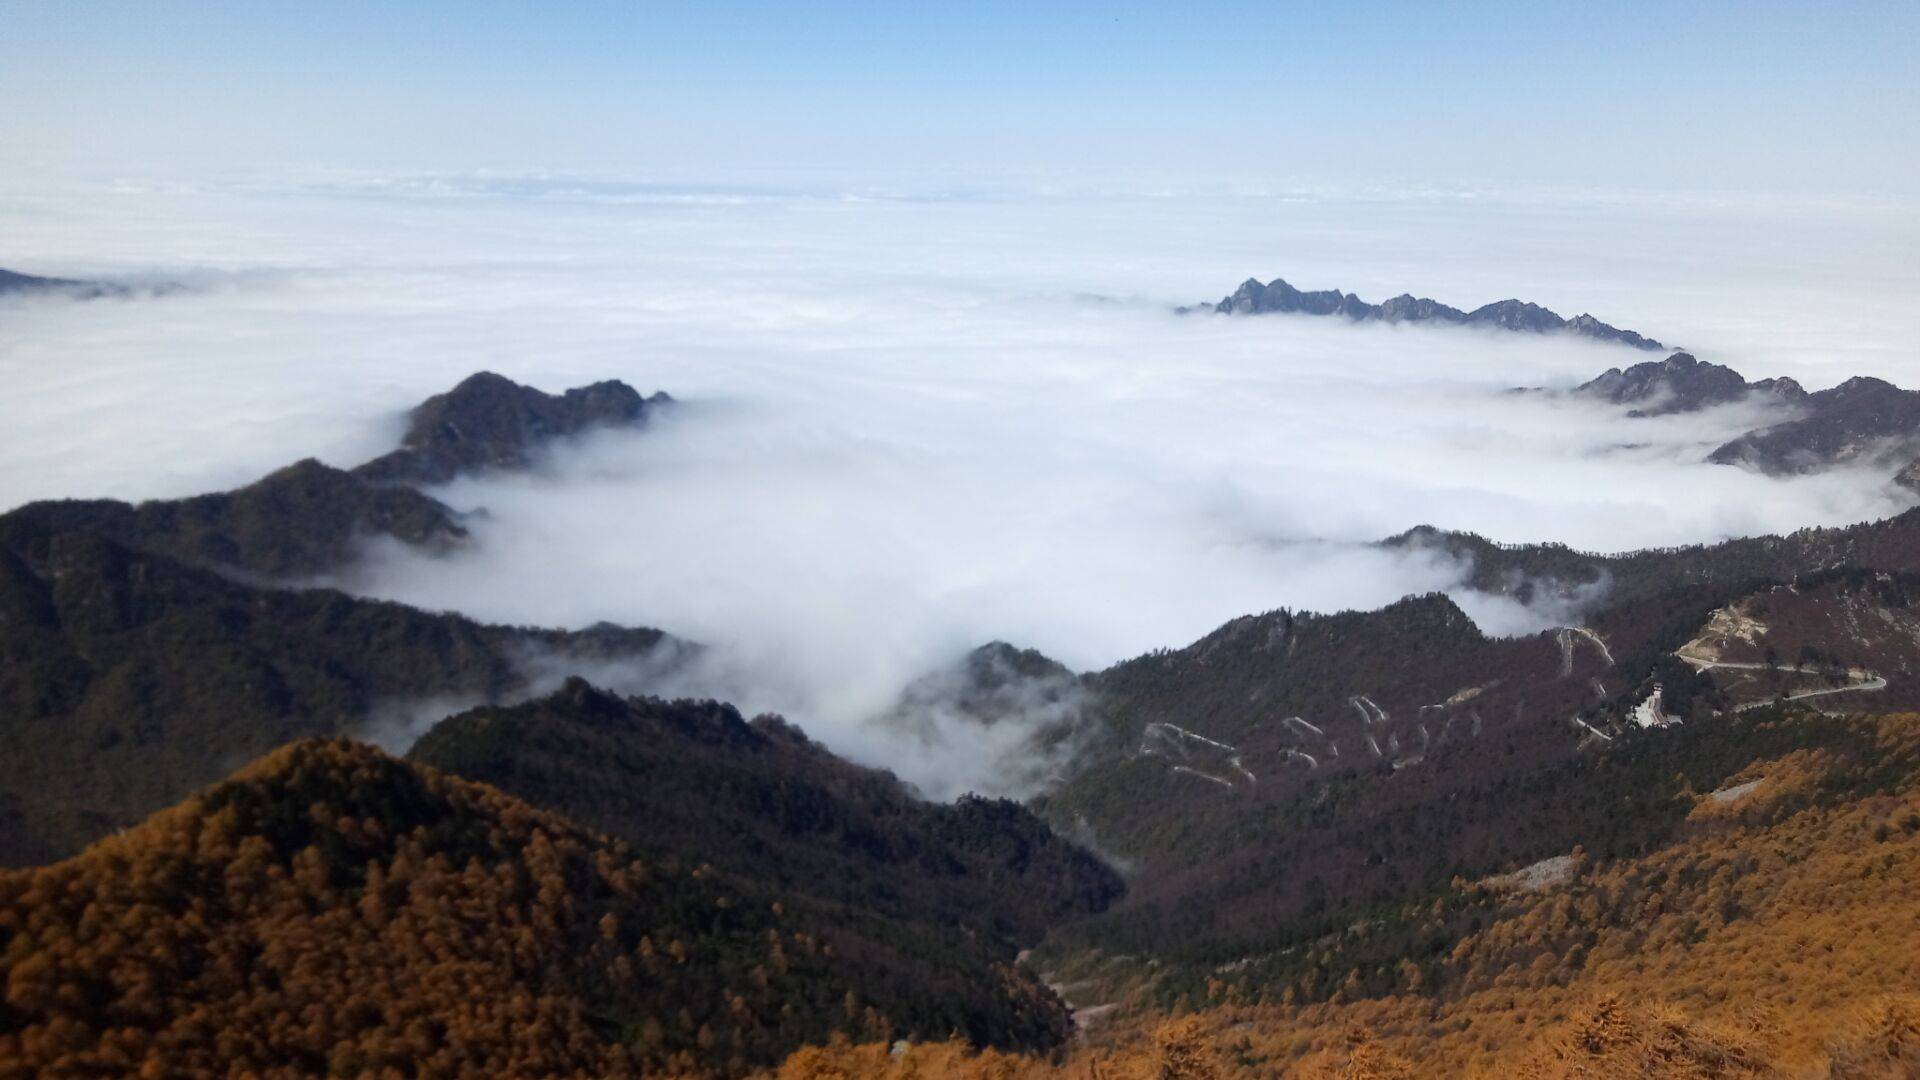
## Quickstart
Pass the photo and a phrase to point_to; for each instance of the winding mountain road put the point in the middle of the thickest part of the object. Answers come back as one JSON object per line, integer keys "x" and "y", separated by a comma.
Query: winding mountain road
{"x": 1868, "y": 681}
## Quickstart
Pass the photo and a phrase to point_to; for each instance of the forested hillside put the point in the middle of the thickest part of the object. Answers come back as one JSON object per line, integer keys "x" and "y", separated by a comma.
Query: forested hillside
{"x": 334, "y": 911}
{"x": 1289, "y": 773}
{"x": 1765, "y": 929}
{"x": 147, "y": 650}
{"x": 1525, "y": 571}
{"x": 760, "y": 801}
{"x": 300, "y": 521}
{"x": 127, "y": 679}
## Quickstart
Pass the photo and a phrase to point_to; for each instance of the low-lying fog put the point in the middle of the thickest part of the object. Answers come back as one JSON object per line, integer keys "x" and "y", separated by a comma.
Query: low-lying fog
{"x": 913, "y": 425}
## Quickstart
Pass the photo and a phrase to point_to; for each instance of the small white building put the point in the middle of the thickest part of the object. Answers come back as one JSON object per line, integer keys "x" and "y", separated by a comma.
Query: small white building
{"x": 1651, "y": 713}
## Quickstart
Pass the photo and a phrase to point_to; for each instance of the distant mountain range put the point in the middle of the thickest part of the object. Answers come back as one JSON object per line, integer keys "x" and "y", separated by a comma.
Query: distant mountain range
{"x": 11, "y": 282}
{"x": 16, "y": 284}
{"x": 1278, "y": 297}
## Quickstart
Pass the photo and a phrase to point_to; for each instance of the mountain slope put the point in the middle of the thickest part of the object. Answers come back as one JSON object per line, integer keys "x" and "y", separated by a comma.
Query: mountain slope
{"x": 1768, "y": 932}
{"x": 692, "y": 780}
{"x": 1863, "y": 420}
{"x": 1530, "y": 571}
{"x": 1287, "y": 771}
{"x": 1779, "y": 907}
{"x": 303, "y": 520}
{"x": 129, "y": 679}
{"x": 309, "y": 518}
{"x": 331, "y": 910}
{"x": 133, "y": 675}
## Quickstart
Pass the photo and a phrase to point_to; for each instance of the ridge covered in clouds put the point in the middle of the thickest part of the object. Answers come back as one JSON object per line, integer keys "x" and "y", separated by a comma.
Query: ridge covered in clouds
{"x": 903, "y": 433}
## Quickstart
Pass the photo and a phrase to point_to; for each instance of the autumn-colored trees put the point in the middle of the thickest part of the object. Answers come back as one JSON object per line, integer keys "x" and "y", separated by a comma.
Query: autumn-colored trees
{"x": 1775, "y": 934}
{"x": 334, "y": 911}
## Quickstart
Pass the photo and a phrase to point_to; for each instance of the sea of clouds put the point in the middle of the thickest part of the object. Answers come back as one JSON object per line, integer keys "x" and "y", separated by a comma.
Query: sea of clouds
{"x": 915, "y": 421}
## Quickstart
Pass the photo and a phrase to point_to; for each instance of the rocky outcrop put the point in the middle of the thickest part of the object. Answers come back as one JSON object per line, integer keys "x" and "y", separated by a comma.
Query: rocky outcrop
{"x": 492, "y": 422}
{"x": 1682, "y": 383}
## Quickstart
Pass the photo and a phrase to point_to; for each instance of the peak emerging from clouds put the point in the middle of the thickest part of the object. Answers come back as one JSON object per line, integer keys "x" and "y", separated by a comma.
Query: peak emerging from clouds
{"x": 1862, "y": 422}
{"x": 489, "y": 421}
{"x": 1276, "y": 296}
{"x": 310, "y": 518}
{"x": 1682, "y": 383}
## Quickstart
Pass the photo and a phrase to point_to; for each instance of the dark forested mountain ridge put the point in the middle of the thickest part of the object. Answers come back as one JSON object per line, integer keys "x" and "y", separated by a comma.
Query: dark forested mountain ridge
{"x": 492, "y": 422}
{"x": 1266, "y": 809}
{"x": 694, "y": 781}
{"x": 1909, "y": 477}
{"x": 128, "y": 679}
{"x": 133, "y": 675}
{"x": 309, "y": 518}
{"x": 333, "y": 911}
{"x": 1287, "y": 771}
{"x": 1735, "y": 918}
{"x": 1191, "y": 744}
{"x": 1276, "y": 296}
{"x": 300, "y": 521}
{"x": 1527, "y": 571}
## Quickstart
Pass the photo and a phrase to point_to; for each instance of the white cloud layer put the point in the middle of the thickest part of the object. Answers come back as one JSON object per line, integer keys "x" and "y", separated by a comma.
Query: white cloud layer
{"x": 913, "y": 425}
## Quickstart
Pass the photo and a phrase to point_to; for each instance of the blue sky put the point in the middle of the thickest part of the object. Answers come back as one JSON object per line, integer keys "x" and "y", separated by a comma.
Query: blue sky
{"x": 1665, "y": 96}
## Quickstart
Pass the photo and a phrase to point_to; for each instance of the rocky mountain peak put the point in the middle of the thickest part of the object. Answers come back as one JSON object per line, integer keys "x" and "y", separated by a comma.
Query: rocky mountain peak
{"x": 1517, "y": 315}
{"x": 1680, "y": 383}
{"x": 491, "y": 422}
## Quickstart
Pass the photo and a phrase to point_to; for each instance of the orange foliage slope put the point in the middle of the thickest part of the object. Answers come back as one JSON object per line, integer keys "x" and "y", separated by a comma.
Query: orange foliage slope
{"x": 1778, "y": 937}
{"x": 333, "y": 911}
